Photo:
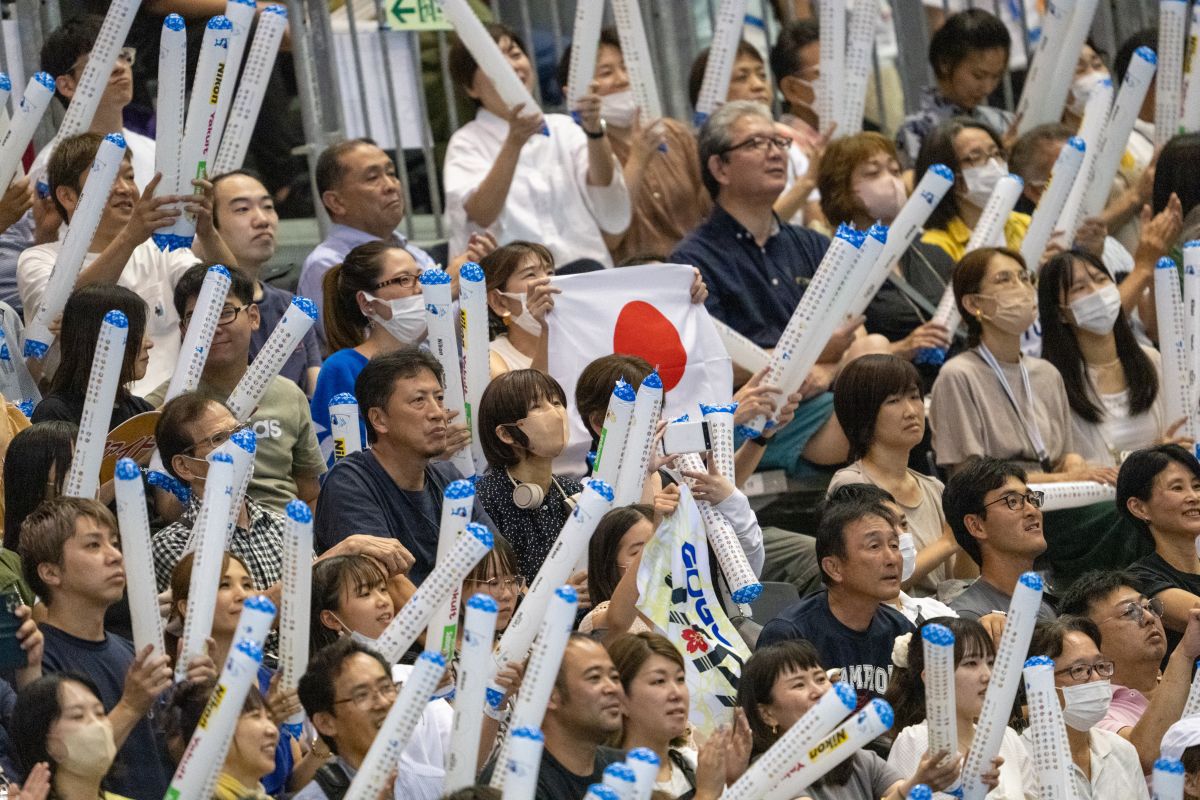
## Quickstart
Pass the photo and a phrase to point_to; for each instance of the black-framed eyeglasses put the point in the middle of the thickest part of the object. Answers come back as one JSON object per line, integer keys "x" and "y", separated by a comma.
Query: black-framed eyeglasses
{"x": 1083, "y": 672}
{"x": 228, "y": 314}
{"x": 1016, "y": 501}
{"x": 405, "y": 281}
{"x": 513, "y": 583}
{"x": 216, "y": 440}
{"x": 761, "y": 144}
{"x": 1135, "y": 611}
{"x": 363, "y": 696}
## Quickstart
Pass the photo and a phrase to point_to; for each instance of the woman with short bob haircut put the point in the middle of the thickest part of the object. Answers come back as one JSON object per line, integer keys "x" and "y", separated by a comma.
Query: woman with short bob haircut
{"x": 519, "y": 296}
{"x": 880, "y": 406}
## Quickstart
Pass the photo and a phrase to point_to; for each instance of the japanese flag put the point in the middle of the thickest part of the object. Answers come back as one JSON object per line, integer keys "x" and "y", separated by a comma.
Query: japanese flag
{"x": 643, "y": 311}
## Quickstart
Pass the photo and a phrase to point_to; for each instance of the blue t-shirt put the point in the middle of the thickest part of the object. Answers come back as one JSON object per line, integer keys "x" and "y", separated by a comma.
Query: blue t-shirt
{"x": 752, "y": 289}
{"x": 338, "y": 374}
{"x": 865, "y": 657}
{"x": 141, "y": 770}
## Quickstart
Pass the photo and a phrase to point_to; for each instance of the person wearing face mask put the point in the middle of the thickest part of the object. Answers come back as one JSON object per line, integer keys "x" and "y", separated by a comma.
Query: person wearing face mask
{"x": 523, "y": 427}
{"x": 976, "y": 155}
{"x": 60, "y": 720}
{"x": 1103, "y": 765}
{"x": 1113, "y": 384}
{"x": 1012, "y": 774}
{"x": 519, "y": 297}
{"x": 880, "y": 406}
{"x": 373, "y": 305}
{"x": 860, "y": 184}
{"x": 658, "y": 157}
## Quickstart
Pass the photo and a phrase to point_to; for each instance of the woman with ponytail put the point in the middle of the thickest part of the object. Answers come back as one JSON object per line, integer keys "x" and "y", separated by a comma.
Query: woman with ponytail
{"x": 373, "y": 306}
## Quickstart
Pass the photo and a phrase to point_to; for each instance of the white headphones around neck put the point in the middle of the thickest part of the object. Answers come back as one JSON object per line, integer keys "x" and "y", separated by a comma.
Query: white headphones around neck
{"x": 530, "y": 495}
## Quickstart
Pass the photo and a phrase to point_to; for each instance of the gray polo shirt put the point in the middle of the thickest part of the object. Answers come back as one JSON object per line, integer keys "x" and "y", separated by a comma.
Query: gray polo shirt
{"x": 982, "y": 598}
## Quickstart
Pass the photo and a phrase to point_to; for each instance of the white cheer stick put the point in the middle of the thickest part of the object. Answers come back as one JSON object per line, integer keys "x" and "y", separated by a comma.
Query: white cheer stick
{"x": 196, "y": 775}
{"x": 644, "y": 763}
{"x": 134, "y": 523}
{"x": 1091, "y": 130}
{"x": 941, "y": 710}
{"x": 718, "y": 70}
{"x": 240, "y": 14}
{"x": 1054, "y": 197}
{"x": 595, "y": 500}
{"x": 26, "y": 117}
{"x": 1074, "y": 494}
{"x": 472, "y": 302}
{"x": 169, "y": 111}
{"x": 1058, "y": 84}
{"x": 83, "y": 478}
{"x": 15, "y": 381}
{"x": 286, "y": 337}
{"x": 781, "y": 757}
{"x": 523, "y": 764}
{"x": 1168, "y": 91}
{"x": 904, "y": 230}
{"x": 209, "y": 553}
{"x": 5, "y": 93}
{"x": 296, "y": 603}
{"x": 1043, "y": 65}
{"x": 445, "y": 578}
{"x": 720, "y": 434}
{"x": 1189, "y": 120}
{"x": 243, "y": 446}
{"x": 1051, "y": 752}
{"x": 252, "y": 88}
{"x": 744, "y": 585}
{"x": 343, "y": 425}
{"x": 920, "y": 792}
{"x": 199, "y": 131}
{"x": 849, "y": 737}
{"x": 635, "y": 49}
{"x": 397, "y": 728}
{"x": 1118, "y": 129}
{"x": 256, "y": 620}
{"x": 1168, "y": 780}
{"x": 832, "y": 17}
{"x": 457, "y": 501}
{"x": 443, "y": 342}
{"x": 639, "y": 443}
{"x": 800, "y": 341}
{"x": 1172, "y": 342}
{"x": 1192, "y": 706}
{"x": 598, "y": 791}
{"x": 860, "y": 45}
{"x": 989, "y": 232}
{"x": 1002, "y": 690}
{"x": 487, "y": 55}
{"x": 541, "y": 670}
{"x": 743, "y": 352}
{"x": 1191, "y": 310}
{"x": 475, "y": 667}
{"x": 193, "y": 353}
{"x": 617, "y": 419}
{"x": 621, "y": 779}
{"x": 92, "y": 202}
{"x": 585, "y": 44}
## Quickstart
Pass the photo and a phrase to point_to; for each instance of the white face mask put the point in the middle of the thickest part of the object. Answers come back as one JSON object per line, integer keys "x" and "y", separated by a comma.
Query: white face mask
{"x": 1096, "y": 312}
{"x": 982, "y": 180}
{"x": 524, "y": 320}
{"x": 1085, "y": 704}
{"x": 407, "y": 324}
{"x": 1082, "y": 89}
{"x": 618, "y": 108}
{"x": 908, "y": 552}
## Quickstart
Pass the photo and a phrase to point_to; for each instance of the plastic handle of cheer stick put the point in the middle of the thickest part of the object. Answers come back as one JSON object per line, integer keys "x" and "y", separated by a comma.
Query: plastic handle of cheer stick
{"x": 475, "y": 667}
{"x": 83, "y": 478}
{"x": 145, "y": 618}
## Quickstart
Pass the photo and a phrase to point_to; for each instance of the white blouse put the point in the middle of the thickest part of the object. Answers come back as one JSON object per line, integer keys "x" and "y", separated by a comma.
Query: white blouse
{"x": 1017, "y": 778}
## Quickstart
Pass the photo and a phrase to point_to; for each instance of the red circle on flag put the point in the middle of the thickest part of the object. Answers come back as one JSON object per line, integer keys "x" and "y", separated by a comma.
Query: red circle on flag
{"x": 643, "y": 331}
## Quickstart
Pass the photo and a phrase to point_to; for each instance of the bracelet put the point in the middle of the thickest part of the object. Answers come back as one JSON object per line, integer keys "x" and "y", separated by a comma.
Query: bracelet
{"x": 500, "y": 715}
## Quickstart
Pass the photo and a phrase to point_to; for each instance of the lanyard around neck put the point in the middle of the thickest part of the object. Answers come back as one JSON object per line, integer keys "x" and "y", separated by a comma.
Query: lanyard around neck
{"x": 1028, "y": 421}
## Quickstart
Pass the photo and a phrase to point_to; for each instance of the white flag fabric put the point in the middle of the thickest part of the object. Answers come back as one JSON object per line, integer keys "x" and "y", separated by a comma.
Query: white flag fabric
{"x": 675, "y": 592}
{"x": 643, "y": 311}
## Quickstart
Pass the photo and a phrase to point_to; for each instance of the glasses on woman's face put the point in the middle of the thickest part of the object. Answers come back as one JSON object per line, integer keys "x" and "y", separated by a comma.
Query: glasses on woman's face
{"x": 1010, "y": 277}
{"x": 364, "y": 696}
{"x": 979, "y": 157}
{"x": 1083, "y": 672}
{"x": 405, "y": 280}
{"x": 495, "y": 586}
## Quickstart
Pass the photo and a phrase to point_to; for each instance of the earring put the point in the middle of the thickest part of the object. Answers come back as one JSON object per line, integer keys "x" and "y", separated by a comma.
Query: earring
{"x": 775, "y": 729}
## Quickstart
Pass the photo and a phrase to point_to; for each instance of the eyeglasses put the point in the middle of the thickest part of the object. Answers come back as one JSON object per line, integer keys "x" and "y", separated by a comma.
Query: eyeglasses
{"x": 1016, "y": 501}
{"x": 217, "y": 439}
{"x": 405, "y": 281}
{"x": 514, "y": 583}
{"x": 1083, "y": 672}
{"x": 1135, "y": 611}
{"x": 365, "y": 695}
{"x": 126, "y": 55}
{"x": 761, "y": 144}
{"x": 977, "y": 158}
{"x": 228, "y": 314}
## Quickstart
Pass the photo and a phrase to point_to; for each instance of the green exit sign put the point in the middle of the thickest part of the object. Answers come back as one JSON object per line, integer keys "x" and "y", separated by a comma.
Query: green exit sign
{"x": 417, "y": 15}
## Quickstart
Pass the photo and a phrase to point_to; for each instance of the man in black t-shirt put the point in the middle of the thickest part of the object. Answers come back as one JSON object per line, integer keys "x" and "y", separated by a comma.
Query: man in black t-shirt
{"x": 850, "y": 623}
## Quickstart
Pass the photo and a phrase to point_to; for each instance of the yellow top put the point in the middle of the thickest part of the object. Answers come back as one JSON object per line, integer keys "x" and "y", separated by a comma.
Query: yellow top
{"x": 954, "y": 237}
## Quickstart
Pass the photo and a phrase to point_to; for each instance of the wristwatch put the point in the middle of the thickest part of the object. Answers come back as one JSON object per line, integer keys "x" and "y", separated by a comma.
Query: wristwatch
{"x": 597, "y": 134}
